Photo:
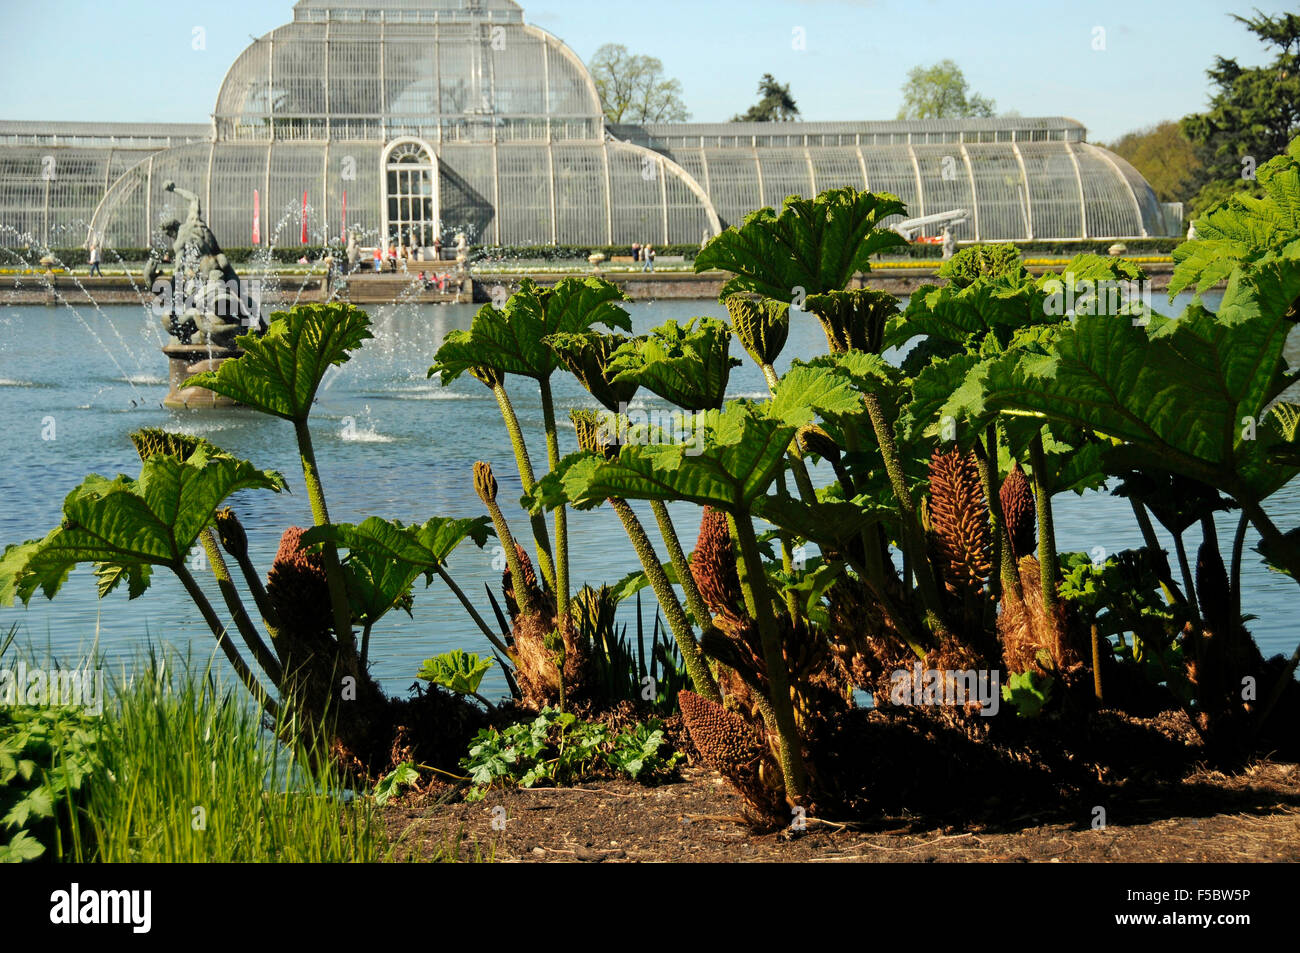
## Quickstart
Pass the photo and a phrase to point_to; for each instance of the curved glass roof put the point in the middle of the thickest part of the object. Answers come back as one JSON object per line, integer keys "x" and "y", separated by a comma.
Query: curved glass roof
{"x": 520, "y": 153}
{"x": 343, "y": 70}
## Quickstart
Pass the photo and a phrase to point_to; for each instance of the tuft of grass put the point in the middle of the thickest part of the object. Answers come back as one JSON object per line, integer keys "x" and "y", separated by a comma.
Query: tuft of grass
{"x": 187, "y": 773}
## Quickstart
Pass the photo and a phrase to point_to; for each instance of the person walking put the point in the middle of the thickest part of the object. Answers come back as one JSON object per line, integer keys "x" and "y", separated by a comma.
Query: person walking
{"x": 636, "y": 251}
{"x": 648, "y": 253}
{"x": 94, "y": 260}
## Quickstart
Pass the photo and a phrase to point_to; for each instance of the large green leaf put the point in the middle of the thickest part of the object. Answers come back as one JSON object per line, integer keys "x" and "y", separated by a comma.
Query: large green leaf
{"x": 423, "y": 547}
{"x": 966, "y": 316}
{"x": 514, "y": 339}
{"x": 831, "y": 524}
{"x": 385, "y": 557}
{"x": 1182, "y": 393}
{"x": 807, "y": 391}
{"x": 154, "y": 519}
{"x": 688, "y": 365}
{"x": 1243, "y": 228}
{"x": 816, "y": 245}
{"x": 741, "y": 454}
{"x": 280, "y": 371}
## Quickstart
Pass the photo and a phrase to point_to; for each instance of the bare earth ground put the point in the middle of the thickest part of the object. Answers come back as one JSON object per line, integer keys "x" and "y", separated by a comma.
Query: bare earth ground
{"x": 1208, "y": 816}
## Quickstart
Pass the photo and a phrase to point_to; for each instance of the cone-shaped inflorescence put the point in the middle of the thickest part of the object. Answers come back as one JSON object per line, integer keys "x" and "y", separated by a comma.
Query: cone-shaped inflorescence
{"x": 714, "y": 565}
{"x": 762, "y": 326}
{"x": 853, "y": 320}
{"x": 735, "y": 748}
{"x": 959, "y": 520}
{"x": 297, "y": 587}
{"x": 1017, "y": 498}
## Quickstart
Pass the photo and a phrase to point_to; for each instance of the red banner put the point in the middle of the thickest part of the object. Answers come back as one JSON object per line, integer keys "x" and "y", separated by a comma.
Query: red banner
{"x": 257, "y": 218}
{"x": 304, "y": 216}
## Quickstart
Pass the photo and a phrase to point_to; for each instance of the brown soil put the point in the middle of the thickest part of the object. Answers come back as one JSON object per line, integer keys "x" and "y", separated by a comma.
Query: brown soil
{"x": 1253, "y": 815}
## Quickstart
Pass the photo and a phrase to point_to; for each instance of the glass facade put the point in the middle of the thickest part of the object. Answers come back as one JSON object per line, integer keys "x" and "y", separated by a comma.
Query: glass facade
{"x": 406, "y": 120}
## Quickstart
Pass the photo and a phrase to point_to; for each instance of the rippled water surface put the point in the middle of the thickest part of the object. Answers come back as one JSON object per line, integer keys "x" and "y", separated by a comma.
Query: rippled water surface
{"x": 390, "y": 443}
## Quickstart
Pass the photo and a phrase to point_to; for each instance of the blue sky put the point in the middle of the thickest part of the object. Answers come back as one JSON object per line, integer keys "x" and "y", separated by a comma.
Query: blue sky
{"x": 134, "y": 60}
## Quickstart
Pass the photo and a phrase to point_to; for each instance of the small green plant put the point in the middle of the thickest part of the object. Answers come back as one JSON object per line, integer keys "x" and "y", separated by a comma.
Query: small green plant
{"x": 457, "y": 671}
{"x": 1029, "y": 692}
{"x": 558, "y": 747}
{"x": 46, "y": 756}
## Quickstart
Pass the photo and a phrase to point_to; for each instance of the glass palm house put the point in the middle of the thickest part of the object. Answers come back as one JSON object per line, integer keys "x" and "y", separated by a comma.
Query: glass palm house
{"x": 408, "y": 121}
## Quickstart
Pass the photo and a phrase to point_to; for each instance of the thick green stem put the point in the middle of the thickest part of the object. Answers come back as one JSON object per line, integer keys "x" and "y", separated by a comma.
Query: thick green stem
{"x": 986, "y": 462}
{"x": 365, "y": 644}
{"x": 753, "y": 583}
{"x": 913, "y": 538}
{"x": 523, "y": 597}
{"x": 329, "y": 552}
{"x": 802, "y": 481}
{"x": 696, "y": 667}
{"x": 1189, "y": 581}
{"x": 1047, "y": 568}
{"x": 270, "y": 617}
{"x": 561, "y": 517}
{"x": 252, "y": 638}
{"x": 473, "y": 613}
{"x": 1157, "y": 551}
{"x": 694, "y": 601}
{"x": 227, "y": 644}
{"x": 1238, "y": 544}
{"x": 528, "y": 480}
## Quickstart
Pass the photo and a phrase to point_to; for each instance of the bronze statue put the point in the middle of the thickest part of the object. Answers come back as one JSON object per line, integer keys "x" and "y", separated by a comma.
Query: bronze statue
{"x": 207, "y": 304}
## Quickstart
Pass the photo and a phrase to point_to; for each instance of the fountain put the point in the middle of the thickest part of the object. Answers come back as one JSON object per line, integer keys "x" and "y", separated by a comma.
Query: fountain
{"x": 203, "y": 305}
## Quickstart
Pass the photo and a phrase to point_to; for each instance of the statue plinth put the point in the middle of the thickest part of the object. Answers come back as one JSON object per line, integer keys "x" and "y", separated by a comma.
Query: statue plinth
{"x": 186, "y": 360}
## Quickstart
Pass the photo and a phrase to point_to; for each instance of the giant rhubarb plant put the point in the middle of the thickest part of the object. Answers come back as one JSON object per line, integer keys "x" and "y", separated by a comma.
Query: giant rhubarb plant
{"x": 515, "y": 339}
{"x": 731, "y": 468}
{"x": 279, "y": 374}
{"x": 126, "y": 526}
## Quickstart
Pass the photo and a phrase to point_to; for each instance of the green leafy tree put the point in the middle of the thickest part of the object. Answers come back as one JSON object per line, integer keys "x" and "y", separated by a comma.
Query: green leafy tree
{"x": 1166, "y": 158}
{"x": 1254, "y": 111}
{"x": 633, "y": 87}
{"x": 941, "y": 92}
{"x": 775, "y": 104}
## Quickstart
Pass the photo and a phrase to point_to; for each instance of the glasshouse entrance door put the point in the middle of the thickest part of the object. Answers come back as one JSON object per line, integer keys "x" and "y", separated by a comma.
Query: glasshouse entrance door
{"x": 411, "y": 195}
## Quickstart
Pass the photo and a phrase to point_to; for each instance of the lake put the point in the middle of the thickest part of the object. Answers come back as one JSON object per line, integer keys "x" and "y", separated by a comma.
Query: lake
{"x": 390, "y": 443}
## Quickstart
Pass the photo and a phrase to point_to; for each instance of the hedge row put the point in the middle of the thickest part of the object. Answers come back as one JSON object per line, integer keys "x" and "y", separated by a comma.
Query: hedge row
{"x": 289, "y": 254}
{"x": 1136, "y": 246}
{"x": 574, "y": 252}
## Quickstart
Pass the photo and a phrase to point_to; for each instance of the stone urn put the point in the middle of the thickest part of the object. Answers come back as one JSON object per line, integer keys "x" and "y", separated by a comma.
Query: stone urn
{"x": 186, "y": 360}
{"x": 595, "y": 258}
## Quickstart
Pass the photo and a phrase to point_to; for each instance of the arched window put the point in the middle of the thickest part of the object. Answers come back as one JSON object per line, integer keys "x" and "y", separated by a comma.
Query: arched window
{"x": 411, "y": 194}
